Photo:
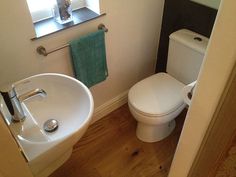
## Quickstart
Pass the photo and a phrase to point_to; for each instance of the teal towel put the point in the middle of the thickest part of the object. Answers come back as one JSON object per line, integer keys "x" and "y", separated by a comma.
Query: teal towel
{"x": 88, "y": 54}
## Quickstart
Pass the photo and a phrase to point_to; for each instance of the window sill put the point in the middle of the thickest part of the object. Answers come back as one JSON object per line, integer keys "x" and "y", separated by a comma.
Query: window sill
{"x": 50, "y": 26}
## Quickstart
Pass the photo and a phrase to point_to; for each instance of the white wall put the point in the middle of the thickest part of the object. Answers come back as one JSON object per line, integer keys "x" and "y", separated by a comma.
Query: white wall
{"x": 218, "y": 64}
{"x": 131, "y": 43}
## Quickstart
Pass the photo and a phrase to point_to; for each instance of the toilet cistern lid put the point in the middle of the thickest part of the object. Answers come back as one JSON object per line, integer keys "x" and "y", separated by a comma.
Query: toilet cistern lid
{"x": 157, "y": 95}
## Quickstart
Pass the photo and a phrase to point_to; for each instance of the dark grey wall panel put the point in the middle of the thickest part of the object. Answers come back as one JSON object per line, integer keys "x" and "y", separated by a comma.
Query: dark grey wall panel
{"x": 182, "y": 14}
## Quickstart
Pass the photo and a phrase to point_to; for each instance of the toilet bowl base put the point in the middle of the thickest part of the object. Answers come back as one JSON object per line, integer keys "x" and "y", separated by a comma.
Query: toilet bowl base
{"x": 153, "y": 133}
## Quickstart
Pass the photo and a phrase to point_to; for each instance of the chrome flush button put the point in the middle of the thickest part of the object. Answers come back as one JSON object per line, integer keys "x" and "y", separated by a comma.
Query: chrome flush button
{"x": 198, "y": 39}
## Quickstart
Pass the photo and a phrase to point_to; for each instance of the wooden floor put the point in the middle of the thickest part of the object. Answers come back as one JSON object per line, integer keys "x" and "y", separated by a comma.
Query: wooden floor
{"x": 227, "y": 167}
{"x": 110, "y": 149}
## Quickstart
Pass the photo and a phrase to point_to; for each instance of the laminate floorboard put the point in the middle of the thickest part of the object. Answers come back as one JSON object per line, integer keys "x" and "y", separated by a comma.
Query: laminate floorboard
{"x": 110, "y": 148}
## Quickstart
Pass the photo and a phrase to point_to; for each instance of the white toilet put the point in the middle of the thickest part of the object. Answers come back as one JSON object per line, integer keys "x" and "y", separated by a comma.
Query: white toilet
{"x": 156, "y": 101}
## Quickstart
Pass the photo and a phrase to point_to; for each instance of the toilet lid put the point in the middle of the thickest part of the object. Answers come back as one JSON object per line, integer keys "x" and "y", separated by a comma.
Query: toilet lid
{"x": 158, "y": 95}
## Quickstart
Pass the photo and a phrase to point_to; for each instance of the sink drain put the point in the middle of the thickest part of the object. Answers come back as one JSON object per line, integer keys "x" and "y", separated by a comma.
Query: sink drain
{"x": 50, "y": 125}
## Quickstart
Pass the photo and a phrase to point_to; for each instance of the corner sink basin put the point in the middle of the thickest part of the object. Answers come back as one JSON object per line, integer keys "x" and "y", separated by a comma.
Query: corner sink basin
{"x": 68, "y": 101}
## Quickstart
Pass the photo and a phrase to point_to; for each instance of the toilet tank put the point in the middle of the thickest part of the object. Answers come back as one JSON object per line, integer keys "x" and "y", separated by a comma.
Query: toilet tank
{"x": 185, "y": 55}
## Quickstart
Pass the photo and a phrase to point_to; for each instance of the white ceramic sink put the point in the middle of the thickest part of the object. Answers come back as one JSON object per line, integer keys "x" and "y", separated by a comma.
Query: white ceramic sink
{"x": 68, "y": 101}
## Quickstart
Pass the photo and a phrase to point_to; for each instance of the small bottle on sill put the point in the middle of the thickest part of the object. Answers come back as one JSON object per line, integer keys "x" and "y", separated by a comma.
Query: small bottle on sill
{"x": 62, "y": 11}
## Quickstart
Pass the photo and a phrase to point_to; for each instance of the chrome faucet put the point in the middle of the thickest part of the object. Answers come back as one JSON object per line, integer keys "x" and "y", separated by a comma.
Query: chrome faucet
{"x": 19, "y": 114}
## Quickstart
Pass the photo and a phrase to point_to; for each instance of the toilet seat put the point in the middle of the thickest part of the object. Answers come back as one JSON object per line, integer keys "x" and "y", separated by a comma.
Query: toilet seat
{"x": 155, "y": 120}
{"x": 156, "y": 96}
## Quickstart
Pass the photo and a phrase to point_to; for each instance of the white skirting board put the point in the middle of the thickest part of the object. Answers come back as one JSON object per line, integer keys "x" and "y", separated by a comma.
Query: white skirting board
{"x": 110, "y": 106}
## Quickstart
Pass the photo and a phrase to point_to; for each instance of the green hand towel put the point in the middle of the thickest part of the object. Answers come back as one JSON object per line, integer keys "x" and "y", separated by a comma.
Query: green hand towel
{"x": 88, "y": 54}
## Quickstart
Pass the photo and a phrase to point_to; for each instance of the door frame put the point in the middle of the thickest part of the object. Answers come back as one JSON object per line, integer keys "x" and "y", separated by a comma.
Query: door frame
{"x": 213, "y": 80}
{"x": 220, "y": 134}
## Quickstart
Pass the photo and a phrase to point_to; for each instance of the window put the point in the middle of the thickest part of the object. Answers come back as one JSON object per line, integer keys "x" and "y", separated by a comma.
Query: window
{"x": 44, "y": 23}
{"x": 42, "y": 9}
